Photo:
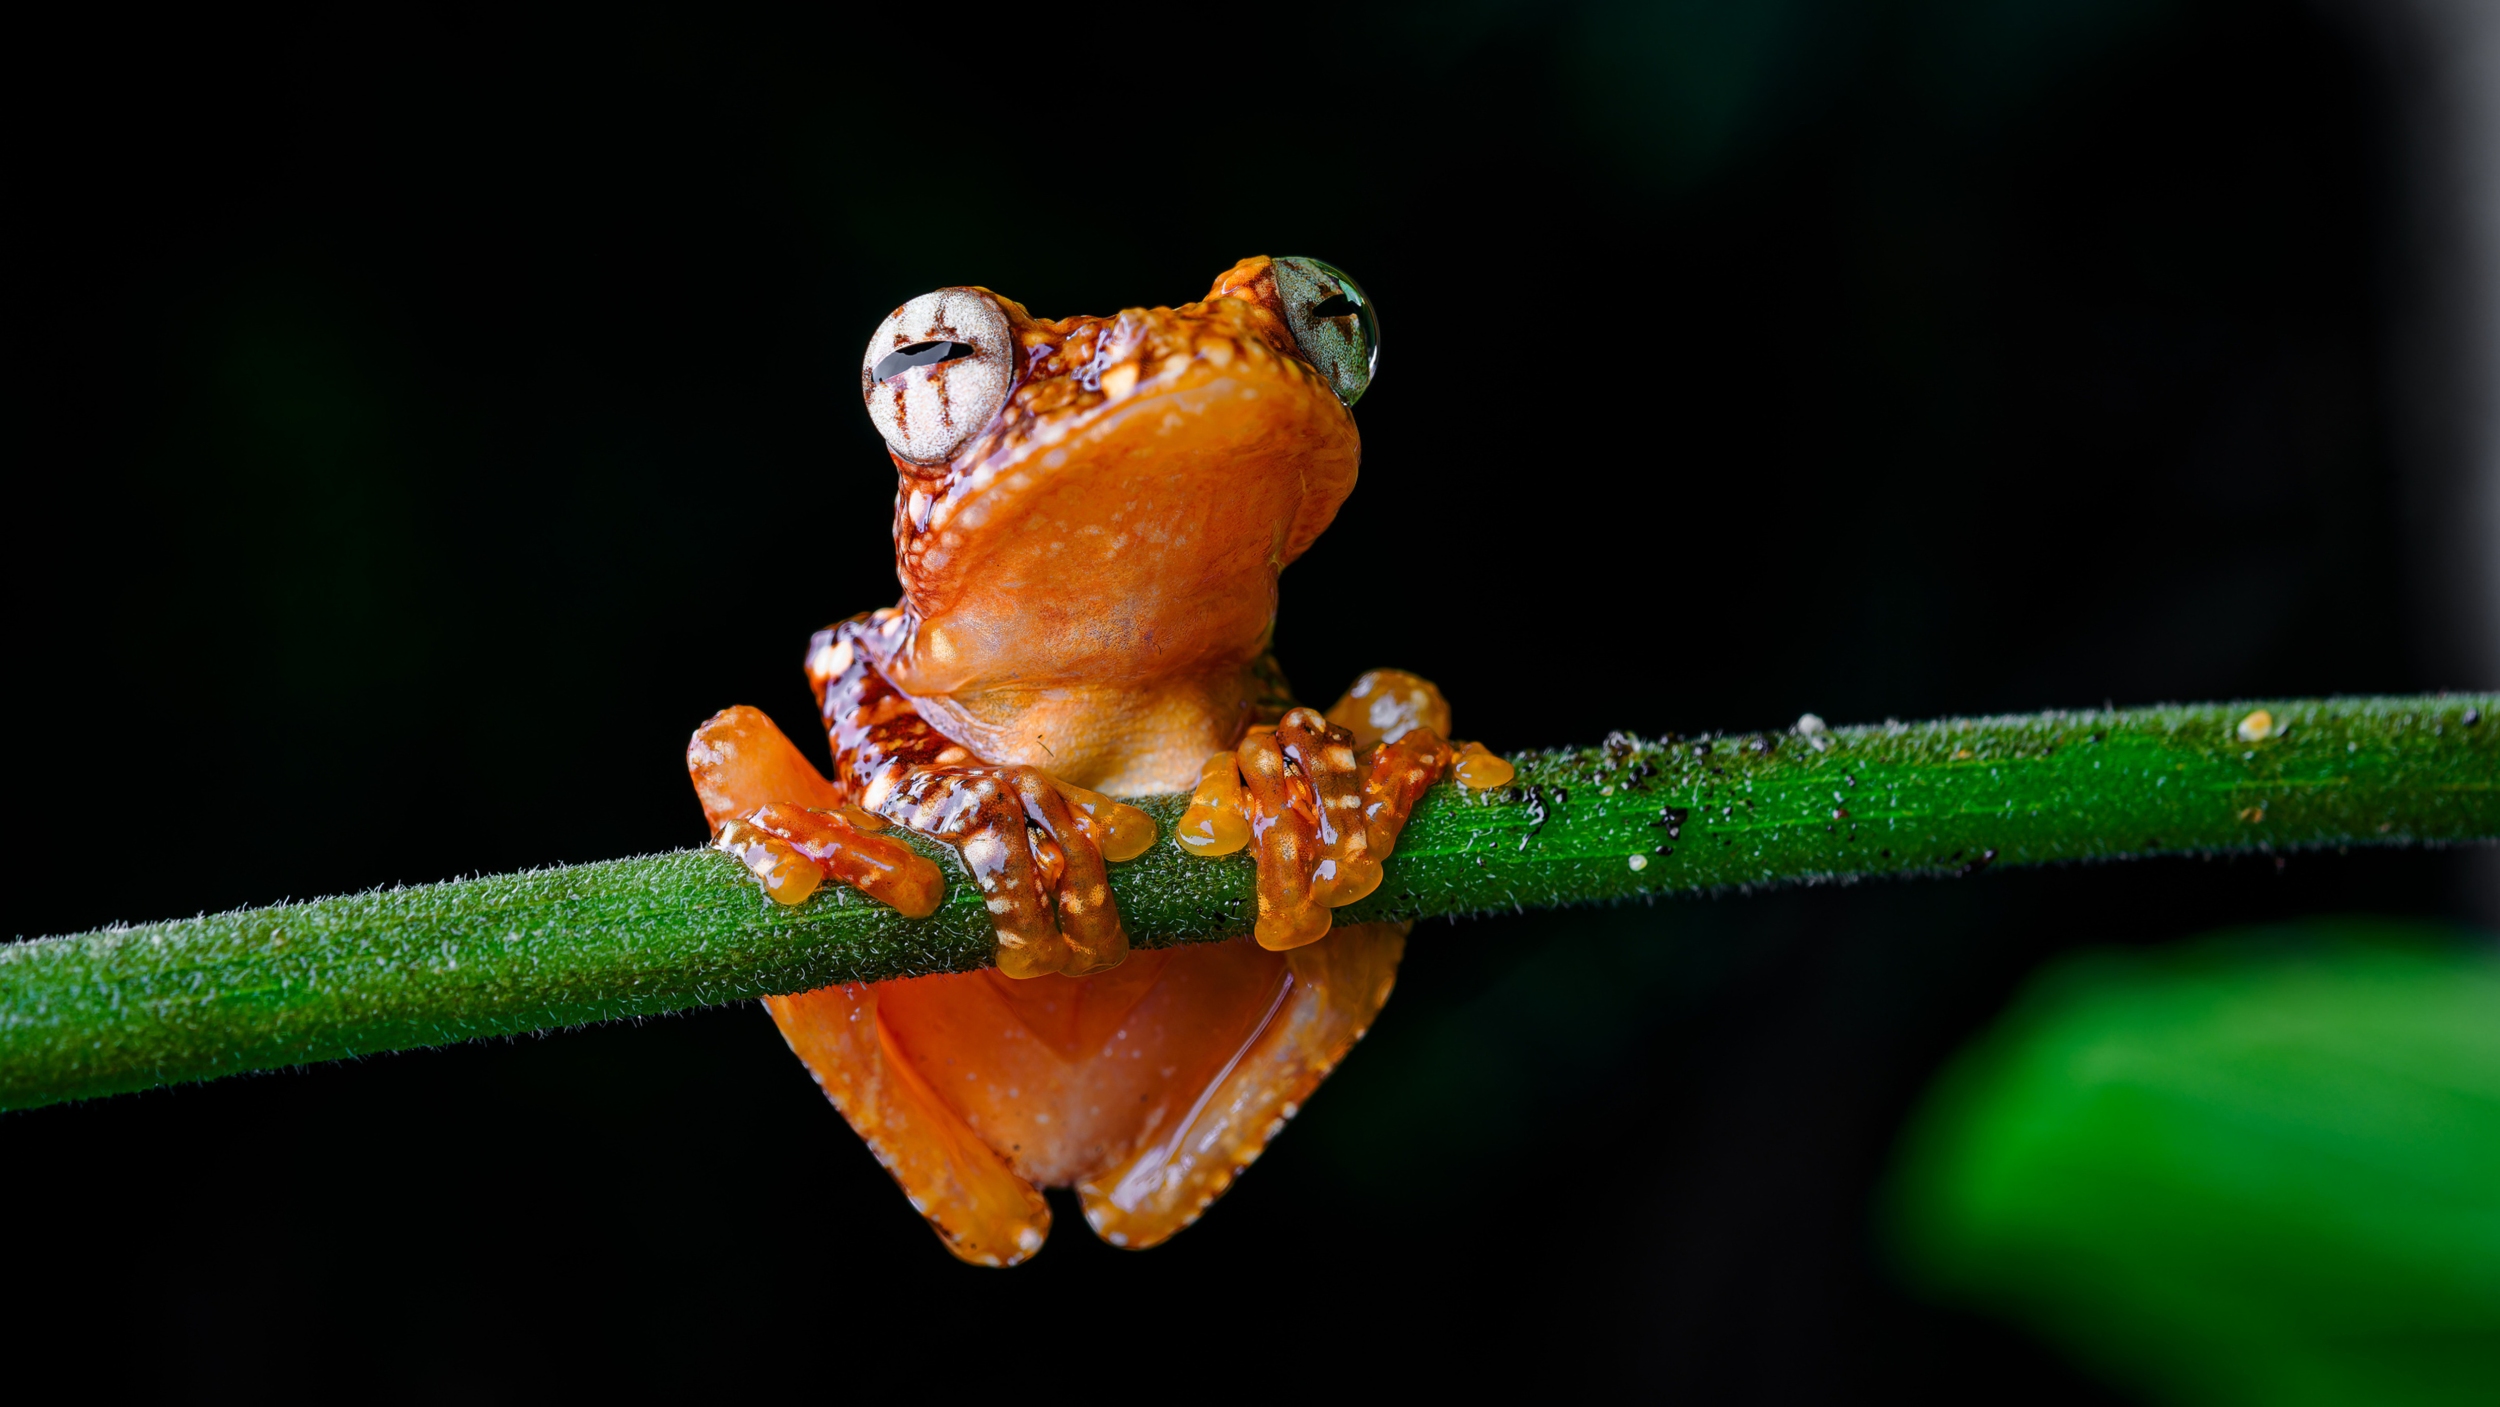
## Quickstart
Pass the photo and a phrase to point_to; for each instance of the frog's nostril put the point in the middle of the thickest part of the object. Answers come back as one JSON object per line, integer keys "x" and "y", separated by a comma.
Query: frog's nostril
{"x": 920, "y": 354}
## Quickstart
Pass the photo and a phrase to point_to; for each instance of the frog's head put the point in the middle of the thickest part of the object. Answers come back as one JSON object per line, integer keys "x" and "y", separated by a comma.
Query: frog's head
{"x": 1113, "y": 497}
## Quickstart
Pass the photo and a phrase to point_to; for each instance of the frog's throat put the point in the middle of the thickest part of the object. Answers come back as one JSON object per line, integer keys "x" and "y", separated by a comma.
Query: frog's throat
{"x": 1130, "y": 738}
{"x": 1145, "y": 542}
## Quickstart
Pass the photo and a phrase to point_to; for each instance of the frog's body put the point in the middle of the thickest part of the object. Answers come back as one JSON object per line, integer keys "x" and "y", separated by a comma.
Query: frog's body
{"x": 1091, "y": 517}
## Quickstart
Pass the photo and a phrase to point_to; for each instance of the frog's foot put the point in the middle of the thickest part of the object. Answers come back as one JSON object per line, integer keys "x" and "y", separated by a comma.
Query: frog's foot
{"x": 1037, "y": 846}
{"x": 1322, "y": 817}
{"x": 770, "y": 807}
{"x": 977, "y": 1204}
{"x": 1330, "y": 997}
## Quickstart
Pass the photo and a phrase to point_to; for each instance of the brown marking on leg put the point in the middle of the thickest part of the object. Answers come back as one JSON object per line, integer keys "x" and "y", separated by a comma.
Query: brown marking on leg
{"x": 1324, "y": 754}
{"x": 1089, "y": 922}
{"x": 1052, "y": 912}
{"x": 1398, "y": 776}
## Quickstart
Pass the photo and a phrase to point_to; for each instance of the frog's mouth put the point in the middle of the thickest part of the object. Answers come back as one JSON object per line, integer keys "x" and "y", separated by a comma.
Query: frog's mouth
{"x": 1137, "y": 537}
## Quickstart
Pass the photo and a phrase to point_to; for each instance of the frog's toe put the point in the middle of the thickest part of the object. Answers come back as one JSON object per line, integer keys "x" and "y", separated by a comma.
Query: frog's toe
{"x": 1037, "y": 847}
{"x": 1300, "y": 782}
{"x": 790, "y": 849}
{"x": 980, "y": 819}
{"x": 1295, "y": 793}
{"x": 769, "y": 807}
{"x": 1402, "y": 723}
{"x": 1321, "y": 815}
{"x": 1075, "y": 886}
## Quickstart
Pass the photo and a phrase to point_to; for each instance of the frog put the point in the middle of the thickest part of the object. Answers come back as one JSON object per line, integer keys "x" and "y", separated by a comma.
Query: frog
{"x": 1090, "y": 519}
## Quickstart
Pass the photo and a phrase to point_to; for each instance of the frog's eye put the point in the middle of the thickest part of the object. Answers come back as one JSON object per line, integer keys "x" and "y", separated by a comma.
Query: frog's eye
{"x": 1333, "y": 321}
{"x": 939, "y": 367}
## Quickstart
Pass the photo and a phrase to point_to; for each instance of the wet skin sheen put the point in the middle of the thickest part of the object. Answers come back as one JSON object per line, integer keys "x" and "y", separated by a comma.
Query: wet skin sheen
{"x": 1089, "y": 524}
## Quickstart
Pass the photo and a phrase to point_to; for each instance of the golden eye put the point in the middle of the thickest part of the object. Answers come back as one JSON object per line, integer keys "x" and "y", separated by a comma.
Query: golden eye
{"x": 1332, "y": 321}
{"x": 936, "y": 371}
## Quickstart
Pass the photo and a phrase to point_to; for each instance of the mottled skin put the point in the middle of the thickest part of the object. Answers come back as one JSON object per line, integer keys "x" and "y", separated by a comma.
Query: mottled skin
{"x": 1090, "y": 583}
{"x": 1089, "y": 588}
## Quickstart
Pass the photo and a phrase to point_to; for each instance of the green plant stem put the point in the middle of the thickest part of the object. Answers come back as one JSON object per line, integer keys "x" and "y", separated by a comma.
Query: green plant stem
{"x": 128, "y": 1008}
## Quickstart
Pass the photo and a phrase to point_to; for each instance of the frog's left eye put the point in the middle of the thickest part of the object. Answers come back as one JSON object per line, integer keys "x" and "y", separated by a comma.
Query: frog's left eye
{"x": 939, "y": 367}
{"x": 1333, "y": 321}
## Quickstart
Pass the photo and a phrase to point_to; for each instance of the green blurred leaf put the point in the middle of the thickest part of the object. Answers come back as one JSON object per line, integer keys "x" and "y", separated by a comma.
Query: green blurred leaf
{"x": 2265, "y": 1168}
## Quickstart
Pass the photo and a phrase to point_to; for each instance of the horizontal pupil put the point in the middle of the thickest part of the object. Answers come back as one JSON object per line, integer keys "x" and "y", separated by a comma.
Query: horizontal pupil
{"x": 1335, "y": 305}
{"x": 920, "y": 354}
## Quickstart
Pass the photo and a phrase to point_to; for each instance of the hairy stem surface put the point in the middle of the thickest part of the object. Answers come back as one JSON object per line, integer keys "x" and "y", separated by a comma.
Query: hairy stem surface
{"x": 128, "y": 1008}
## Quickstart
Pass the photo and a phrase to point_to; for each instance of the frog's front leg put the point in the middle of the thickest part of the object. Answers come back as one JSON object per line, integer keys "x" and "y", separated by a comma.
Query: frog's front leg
{"x": 1036, "y": 846}
{"x": 1321, "y": 815}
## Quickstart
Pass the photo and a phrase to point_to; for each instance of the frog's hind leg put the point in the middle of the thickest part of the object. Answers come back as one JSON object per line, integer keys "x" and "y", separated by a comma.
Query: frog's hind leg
{"x": 978, "y": 1206}
{"x": 1334, "y": 991}
{"x": 770, "y": 807}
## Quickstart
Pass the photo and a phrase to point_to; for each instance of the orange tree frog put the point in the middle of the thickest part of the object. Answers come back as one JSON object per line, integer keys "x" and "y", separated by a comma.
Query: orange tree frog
{"x": 1089, "y": 525}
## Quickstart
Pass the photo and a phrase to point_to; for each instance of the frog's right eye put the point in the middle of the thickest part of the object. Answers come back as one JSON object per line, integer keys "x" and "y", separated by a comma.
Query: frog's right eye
{"x": 937, "y": 370}
{"x": 1332, "y": 321}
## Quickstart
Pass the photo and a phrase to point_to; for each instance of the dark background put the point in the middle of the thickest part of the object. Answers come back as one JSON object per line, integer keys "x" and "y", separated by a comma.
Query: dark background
{"x": 424, "y": 423}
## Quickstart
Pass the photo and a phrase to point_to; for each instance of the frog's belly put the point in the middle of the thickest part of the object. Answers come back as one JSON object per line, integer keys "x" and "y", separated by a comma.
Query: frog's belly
{"x": 1067, "y": 1076}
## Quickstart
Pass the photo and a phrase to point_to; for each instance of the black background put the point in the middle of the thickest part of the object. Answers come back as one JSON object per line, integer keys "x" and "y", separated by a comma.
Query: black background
{"x": 426, "y": 421}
